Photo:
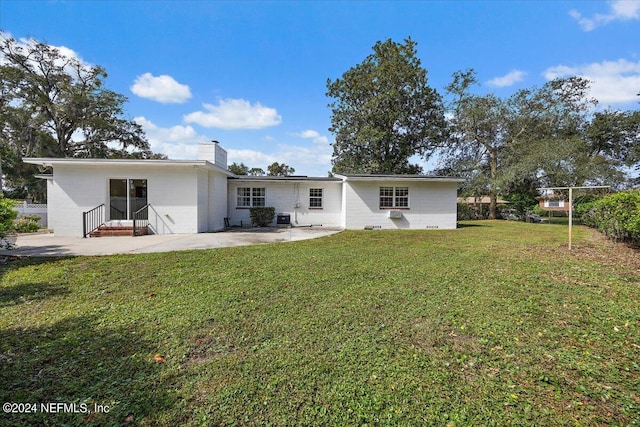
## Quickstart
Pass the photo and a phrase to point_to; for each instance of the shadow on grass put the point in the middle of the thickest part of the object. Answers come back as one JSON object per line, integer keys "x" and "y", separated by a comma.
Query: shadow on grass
{"x": 27, "y": 292}
{"x": 80, "y": 362}
{"x": 467, "y": 225}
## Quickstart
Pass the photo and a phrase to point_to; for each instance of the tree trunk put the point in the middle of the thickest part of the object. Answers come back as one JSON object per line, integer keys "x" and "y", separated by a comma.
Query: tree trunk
{"x": 493, "y": 191}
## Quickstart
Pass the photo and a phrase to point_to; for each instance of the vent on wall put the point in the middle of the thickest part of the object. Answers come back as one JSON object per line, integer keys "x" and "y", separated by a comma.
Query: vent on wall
{"x": 395, "y": 214}
{"x": 372, "y": 227}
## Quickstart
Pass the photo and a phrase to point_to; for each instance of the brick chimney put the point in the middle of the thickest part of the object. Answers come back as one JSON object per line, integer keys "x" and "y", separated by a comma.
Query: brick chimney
{"x": 213, "y": 152}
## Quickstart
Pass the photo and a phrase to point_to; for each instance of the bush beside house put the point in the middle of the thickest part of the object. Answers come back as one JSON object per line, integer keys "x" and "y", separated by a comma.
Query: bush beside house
{"x": 262, "y": 216}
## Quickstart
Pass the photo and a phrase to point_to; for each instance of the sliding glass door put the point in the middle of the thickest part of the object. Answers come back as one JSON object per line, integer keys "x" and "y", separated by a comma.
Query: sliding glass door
{"x": 126, "y": 196}
{"x": 137, "y": 197}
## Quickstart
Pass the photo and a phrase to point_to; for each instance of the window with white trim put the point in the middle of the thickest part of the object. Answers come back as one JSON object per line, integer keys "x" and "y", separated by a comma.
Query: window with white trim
{"x": 554, "y": 203}
{"x": 315, "y": 198}
{"x": 394, "y": 197}
{"x": 251, "y": 197}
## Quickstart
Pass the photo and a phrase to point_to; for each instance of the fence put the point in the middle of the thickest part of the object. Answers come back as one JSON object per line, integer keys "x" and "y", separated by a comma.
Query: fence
{"x": 40, "y": 209}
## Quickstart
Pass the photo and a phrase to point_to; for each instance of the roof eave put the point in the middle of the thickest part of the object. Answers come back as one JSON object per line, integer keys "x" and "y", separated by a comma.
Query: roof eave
{"x": 245, "y": 178}
{"x": 51, "y": 162}
{"x": 423, "y": 178}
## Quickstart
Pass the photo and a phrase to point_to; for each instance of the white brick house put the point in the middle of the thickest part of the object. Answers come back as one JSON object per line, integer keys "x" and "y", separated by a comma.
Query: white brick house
{"x": 195, "y": 196}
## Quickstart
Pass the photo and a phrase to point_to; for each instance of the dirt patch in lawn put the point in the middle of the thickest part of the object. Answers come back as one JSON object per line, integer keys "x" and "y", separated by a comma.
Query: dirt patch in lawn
{"x": 208, "y": 348}
{"x": 597, "y": 248}
{"x": 435, "y": 338}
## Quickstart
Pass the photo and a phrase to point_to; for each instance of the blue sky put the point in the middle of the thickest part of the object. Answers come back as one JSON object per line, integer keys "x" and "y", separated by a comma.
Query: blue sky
{"x": 253, "y": 74}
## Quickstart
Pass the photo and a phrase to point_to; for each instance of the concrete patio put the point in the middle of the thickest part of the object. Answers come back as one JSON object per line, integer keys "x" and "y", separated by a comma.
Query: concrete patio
{"x": 49, "y": 245}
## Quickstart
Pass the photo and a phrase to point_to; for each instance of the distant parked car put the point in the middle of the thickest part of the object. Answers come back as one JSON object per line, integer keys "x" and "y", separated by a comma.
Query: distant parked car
{"x": 510, "y": 215}
{"x": 534, "y": 218}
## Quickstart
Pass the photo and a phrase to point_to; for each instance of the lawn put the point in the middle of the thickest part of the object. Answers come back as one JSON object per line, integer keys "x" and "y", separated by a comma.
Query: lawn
{"x": 495, "y": 323}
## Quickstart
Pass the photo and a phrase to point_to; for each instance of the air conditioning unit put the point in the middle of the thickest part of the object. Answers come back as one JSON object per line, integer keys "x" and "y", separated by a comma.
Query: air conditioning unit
{"x": 395, "y": 214}
{"x": 283, "y": 219}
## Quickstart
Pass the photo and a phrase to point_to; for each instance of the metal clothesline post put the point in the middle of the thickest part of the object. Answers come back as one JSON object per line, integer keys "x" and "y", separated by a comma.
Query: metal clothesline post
{"x": 571, "y": 202}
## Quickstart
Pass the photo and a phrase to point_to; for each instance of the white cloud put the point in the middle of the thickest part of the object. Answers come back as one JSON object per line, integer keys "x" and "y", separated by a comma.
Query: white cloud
{"x": 177, "y": 142}
{"x": 316, "y": 159}
{"x": 308, "y": 159}
{"x": 181, "y": 142}
{"x": 509, "y": 79}
{"x": 308, "y": 134}
{"x": 162, "y": 89}
{"x": 235, "y": 114}
{"x": 313, "y": 135}
{"x": 619, "y": 10}
{"x": 613, "y": 82}
{"x": 252, "y": 158}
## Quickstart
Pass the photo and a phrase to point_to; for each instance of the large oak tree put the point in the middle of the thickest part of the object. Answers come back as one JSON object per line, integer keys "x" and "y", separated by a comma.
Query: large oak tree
{"x": 547, "y": 136}
{"x": 54, "y": 105}
{"x": 384, "y": 112}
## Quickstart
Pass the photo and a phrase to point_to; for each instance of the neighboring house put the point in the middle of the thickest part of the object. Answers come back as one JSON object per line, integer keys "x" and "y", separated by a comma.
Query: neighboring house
{"x": 195, "y": 196}
{"x": 480, "y": 201}
{"x": 553, "y": 202}
{"x": 480, "y": 204}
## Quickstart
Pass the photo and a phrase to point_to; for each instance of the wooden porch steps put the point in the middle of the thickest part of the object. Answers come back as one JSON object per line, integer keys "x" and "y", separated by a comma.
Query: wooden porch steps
{"x": 110, "y": 231}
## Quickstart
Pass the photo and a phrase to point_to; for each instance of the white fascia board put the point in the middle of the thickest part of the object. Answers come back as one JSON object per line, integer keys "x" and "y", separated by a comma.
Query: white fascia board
{"x": 51, "y": 162}
{"x": 240, "y": 178}
{"x": 405, "y": 178}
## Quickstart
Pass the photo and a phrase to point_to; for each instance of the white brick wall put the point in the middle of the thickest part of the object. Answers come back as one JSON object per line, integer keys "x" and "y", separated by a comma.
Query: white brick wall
{"x": 171, "y": 191}
{"x": 202, "y": 200}
{"x": 291, "y": 198}
{"x": 431, "y": 205}
{"x": 217, "y": 201}
{"x": 189, "y": 198}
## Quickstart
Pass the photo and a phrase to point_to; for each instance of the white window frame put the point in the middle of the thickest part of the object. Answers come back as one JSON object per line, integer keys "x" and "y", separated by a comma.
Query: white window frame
{"x": 554, "y": 203}
{"x": 393, "y": 197}
{"x": 315, "y": 200}
{"x": 256, "y": 196}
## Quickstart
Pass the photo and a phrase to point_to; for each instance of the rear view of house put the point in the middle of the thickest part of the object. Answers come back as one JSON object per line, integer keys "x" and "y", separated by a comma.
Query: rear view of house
{"x": 195, "y": 196}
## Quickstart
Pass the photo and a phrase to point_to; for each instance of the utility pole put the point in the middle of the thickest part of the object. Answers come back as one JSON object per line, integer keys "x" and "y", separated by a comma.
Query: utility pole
{"x": 571, "y": 202}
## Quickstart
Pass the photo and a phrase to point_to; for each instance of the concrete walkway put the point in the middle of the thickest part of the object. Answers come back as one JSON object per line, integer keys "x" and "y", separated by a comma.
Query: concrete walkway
{"x": 49, "y": 245}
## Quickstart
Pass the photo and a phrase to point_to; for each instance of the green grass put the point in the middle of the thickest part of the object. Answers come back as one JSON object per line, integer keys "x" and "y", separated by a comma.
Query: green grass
{"x": 495, "y": 323}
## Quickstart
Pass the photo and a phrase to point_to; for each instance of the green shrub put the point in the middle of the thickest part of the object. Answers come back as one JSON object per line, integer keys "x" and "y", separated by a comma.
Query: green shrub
{"x": 617, "y": 216}
{"x": 465, "y": 212}
{"x": 584, "y": 213}
{"x": 34, "y": 218}
{"x": 536, "y": 209}
{"x": 7, "y": 215}
{"x": 27, "y": 224}
{"x": 262, "y": 216}
{"x": 522, "y": 203}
